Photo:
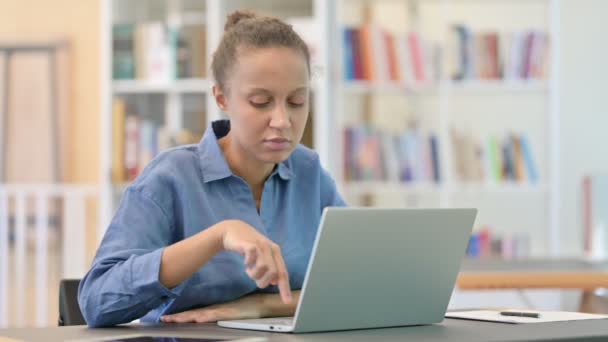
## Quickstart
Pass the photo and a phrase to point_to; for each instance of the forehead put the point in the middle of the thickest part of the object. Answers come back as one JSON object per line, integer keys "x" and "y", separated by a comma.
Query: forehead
{"x": 270, "y": 68}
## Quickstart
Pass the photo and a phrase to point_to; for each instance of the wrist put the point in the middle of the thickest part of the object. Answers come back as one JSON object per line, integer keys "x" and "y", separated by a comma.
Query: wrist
{"x": 217, "y": 233}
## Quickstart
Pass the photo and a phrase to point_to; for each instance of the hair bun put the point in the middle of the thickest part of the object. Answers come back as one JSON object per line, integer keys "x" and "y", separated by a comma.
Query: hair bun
{"x": 235, "y": 17}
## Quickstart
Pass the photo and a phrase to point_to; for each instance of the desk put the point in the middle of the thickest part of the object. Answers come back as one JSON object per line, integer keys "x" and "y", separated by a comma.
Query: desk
{"x": 449, "y": 330}
{"x": 535, "y": 273}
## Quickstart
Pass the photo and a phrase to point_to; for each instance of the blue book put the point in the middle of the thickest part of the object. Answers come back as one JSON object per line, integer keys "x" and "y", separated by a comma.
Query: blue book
{"x": 473, "y": 247}
{"x": 349, "y": 74}
{"x": 435, "y": 158}
{"x": 529, "y": 162}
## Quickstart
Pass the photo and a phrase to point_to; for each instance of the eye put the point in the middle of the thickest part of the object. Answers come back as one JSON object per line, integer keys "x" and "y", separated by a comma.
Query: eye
{"x": 259, "y": 104}
{"x": 259, "y": 101}
{"x": 296, "y": 105}
{"x": 297, "y": 101}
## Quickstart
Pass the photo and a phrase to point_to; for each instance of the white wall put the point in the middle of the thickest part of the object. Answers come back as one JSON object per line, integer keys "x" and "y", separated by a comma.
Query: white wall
{"x": 583, "y": 106}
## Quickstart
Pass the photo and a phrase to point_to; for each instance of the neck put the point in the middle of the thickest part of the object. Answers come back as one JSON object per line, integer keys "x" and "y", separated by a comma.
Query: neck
{"x": 252, "y": 171}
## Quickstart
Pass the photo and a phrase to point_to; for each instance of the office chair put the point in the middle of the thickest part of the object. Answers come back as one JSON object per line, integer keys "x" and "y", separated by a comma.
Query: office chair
{"x": 69, "y": 310}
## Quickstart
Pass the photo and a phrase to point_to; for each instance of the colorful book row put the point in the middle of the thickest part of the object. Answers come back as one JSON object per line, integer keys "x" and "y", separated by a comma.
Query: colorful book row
{"x": 372, "y": 53}
{"x": 486, "y": 244}
{"x": 136, "y": 141}
{"x": 496, "y": 159}
{"x": 371, "y": 154}
{"x": 519, "y": 55}
{"x": 155, "y": 52}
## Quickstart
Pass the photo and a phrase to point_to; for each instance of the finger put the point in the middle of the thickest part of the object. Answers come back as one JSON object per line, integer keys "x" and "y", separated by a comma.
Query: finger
{"x": 271, "y": 272}
{"x": 206, "y": 317}
{"x": 251, "y": 256}
{"x": 183, "y": 319}
{"x": 171, "y": 318}
{"x": 282, "y": 276}
{"x": 256, "y": 273}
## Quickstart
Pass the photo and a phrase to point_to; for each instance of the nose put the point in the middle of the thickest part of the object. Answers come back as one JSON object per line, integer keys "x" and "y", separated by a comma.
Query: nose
{"x": 280, "y": 118}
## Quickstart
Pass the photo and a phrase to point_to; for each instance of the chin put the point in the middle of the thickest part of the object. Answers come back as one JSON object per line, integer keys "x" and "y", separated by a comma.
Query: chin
{"x": 275, "y": 157}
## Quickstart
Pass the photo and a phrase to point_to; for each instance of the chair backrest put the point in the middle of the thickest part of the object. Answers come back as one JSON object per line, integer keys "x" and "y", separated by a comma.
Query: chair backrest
{"x": 69, "y": 310}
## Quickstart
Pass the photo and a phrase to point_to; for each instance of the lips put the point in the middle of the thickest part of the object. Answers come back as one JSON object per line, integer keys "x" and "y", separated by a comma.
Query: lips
{"x": 277, "y": 144}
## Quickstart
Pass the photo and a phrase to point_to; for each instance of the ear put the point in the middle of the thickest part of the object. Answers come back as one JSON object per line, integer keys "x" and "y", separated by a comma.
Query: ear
{"x": 220, "y": 97}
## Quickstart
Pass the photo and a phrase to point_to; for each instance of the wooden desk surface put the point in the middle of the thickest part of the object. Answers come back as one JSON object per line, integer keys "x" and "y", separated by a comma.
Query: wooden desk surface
{"x": 539, "y": 273}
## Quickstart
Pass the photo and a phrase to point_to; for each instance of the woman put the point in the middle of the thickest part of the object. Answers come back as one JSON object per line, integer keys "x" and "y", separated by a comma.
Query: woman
{"x": 213, "y": 231}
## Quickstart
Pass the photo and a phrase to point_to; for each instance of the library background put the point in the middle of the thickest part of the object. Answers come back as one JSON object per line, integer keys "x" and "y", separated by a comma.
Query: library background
{"x": 494, "y": 104}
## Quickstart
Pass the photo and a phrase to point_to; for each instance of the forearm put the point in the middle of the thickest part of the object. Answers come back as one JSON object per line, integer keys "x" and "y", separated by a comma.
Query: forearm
{"x": 118, "y": 291}
{"x": 180, "y": 260}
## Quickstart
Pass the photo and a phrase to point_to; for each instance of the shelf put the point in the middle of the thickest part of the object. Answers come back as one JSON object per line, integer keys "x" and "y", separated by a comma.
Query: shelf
{"x": 498, "y": 86}
{"x": 366, "y": 87}
{"x": 503, "y": 188}
{"x": 175, "y": 86}
{"x": 463, "y": 87}
{"x": 378, "y": 187}
{"x": 363, "y": 187}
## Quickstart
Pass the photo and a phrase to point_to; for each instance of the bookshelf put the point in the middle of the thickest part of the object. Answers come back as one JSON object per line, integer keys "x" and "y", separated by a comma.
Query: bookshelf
{"x": 514, "y": 100}
{"x": 155, "y": 89}
{"x": 435, "y": 105}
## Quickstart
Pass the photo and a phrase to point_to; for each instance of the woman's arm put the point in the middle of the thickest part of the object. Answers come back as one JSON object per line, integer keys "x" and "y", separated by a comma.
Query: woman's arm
{"x": 132, "y": 266}
{"x": 263, "y": 259}
{"x": 257, "y": 305}
{"x": 180, "y": 260}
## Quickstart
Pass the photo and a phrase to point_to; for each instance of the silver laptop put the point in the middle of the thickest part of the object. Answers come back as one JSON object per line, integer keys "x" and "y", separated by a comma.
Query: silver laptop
{"x": 373, "y": 268}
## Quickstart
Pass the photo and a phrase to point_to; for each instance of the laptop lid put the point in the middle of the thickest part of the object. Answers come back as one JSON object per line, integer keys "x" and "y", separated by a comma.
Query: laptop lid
{"x": 375, "y": 267}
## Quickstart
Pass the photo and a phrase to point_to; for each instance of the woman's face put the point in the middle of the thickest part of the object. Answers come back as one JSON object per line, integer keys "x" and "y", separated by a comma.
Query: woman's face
{"x": 267, "y": 102}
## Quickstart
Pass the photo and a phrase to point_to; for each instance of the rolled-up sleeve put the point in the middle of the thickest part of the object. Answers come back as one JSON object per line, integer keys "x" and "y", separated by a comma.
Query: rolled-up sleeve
{"x": 123, "y": 282}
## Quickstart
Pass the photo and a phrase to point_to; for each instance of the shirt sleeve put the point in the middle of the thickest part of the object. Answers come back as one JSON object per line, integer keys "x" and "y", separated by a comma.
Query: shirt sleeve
{"x": 329, "y": 193}
{"x": 123, "y": 282}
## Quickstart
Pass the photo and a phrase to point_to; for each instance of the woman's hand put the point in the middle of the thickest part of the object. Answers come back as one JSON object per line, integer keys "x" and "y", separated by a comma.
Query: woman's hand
{"x": 234, "y": 310}
{"x": 253, "y": 306}
{"x": 263, "y": 260}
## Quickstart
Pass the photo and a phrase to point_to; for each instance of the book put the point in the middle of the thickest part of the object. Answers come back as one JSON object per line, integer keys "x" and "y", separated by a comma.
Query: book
{"x": 123, "y": 60}
{"x": 154, "y": 52}
{"x": 372, "y": 53}
{"x": 190, "y": 52}
{"x": 347, "y": 36}
{"x": 118, "y": 141}
{"x": 518, "y": 55}
{"x": 526, "y": 153}
{"x": 374, "y": 154}
{"x": 595, "y": 215}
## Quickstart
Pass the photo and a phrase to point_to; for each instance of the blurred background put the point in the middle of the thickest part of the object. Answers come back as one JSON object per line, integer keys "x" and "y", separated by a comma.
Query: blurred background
{"x": 494, "y": 104}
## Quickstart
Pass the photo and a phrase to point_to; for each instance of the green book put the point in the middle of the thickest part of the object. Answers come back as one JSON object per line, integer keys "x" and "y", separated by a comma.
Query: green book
{"x": 123, "y": 61}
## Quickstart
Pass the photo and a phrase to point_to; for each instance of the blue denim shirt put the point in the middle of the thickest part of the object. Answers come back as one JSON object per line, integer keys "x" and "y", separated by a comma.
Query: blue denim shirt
{"x": 182, "y": 192}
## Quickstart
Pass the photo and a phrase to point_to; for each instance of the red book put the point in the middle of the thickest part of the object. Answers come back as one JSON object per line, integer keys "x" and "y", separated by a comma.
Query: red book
{"x": 491, "y": 42}
{"x": 365, "y": 42}
{"x": 356, "y": 46}
{"x": 587, "y": 214}
{"x": 389, "y": 40}
{"x": 416, "y": 56}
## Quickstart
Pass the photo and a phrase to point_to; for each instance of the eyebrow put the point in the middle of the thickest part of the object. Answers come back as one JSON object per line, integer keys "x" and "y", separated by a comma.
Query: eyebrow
{"x": 263, "y": 90}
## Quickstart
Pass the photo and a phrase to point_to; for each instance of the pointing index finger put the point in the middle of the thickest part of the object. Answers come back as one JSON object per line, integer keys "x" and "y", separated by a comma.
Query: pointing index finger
{"x": 283, "y": 278}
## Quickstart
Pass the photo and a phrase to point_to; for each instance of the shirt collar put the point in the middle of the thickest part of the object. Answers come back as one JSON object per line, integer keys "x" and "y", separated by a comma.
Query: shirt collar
{"x": 212, "y": 159}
